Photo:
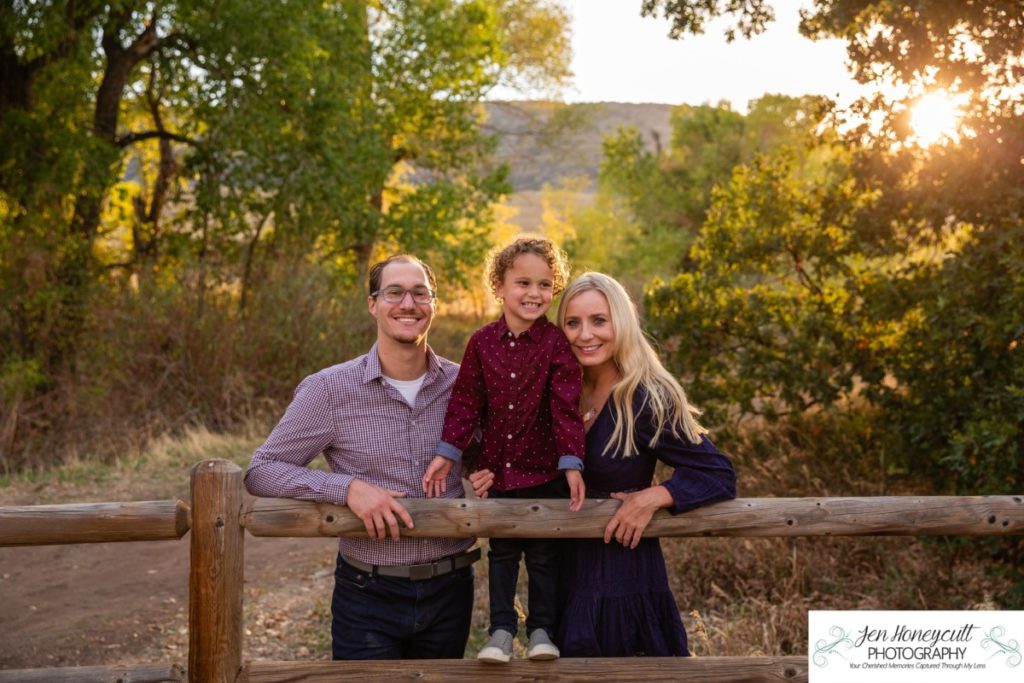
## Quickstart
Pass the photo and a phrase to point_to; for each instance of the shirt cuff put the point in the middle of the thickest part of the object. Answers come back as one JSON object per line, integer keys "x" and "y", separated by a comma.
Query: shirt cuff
{"x": 335, "y": 488}
{"x": 446, "y": 450}
{"x": 570, "y": 462}
{"x": 679, "y": 498}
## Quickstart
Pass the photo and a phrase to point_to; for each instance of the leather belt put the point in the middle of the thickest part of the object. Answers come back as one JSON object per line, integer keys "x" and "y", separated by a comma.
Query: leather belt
{"x": 418, "y": 572}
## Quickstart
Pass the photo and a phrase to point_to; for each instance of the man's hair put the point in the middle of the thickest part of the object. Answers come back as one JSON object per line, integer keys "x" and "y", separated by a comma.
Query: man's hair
{"x": 500, "y": 260}
{"x": 377, "y": 269}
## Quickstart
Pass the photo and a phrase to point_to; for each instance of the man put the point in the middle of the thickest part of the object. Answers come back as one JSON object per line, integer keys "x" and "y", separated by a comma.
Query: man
{"x": 378, "y": 419}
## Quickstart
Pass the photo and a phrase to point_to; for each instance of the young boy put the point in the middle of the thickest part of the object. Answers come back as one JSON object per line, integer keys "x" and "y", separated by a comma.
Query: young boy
{"x": 520, "y": 385}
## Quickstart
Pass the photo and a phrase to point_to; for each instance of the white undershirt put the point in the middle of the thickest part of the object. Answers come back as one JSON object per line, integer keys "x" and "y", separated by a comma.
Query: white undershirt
{"x": 408, "y": 388}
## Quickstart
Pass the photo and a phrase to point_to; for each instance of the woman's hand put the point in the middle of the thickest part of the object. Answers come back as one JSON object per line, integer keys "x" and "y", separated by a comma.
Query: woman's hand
{"x": 481, "y": 480}
{"x": 633, "y": 516}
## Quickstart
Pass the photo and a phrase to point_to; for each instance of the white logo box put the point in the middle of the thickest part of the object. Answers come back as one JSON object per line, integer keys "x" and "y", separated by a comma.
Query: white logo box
{"x": 850, "y": 646}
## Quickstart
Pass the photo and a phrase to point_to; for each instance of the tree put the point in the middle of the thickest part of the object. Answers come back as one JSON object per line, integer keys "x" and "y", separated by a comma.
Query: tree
{"x": 937, "y": 333}
{"x": 182, "y": 149}
{"x": 767, "y": 318}
{"x": 668, "y": 190}
{"x": 295, "y": 138}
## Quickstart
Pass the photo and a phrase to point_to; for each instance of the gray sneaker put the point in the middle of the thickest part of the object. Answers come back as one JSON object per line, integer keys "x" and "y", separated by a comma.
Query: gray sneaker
{"x": 498, "y": 649}
{"x": 541, "y": 647}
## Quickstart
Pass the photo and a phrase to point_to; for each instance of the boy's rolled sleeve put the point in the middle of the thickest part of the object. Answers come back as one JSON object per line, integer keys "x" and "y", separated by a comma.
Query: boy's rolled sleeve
{"x": 564, "y": 390}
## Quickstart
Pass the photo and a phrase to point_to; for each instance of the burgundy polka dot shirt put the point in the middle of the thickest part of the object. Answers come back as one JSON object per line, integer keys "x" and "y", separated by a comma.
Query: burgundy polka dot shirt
{"x": 522, "y": 392}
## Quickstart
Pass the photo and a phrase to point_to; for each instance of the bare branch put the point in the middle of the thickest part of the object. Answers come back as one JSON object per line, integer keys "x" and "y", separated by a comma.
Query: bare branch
{"x": 132, "y": 138}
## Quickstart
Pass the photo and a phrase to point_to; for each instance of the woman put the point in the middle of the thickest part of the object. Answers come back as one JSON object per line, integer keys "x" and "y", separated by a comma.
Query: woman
{"x": 617, "y": 600}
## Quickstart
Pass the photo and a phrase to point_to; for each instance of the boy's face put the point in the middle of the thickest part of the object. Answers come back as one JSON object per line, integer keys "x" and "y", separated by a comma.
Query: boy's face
{"x": 526, "y": 291}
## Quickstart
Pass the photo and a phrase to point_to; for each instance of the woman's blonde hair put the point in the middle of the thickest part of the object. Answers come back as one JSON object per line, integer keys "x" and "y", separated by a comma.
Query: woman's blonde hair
{"x": 639, "y": 366}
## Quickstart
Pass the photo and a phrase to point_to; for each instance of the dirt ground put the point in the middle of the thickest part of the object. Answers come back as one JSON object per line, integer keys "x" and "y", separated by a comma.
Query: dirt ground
{"x": 127, "y": 603}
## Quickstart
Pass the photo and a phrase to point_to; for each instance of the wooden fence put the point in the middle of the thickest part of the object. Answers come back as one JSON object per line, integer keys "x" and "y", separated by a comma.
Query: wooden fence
{"x": 221, "y": 512}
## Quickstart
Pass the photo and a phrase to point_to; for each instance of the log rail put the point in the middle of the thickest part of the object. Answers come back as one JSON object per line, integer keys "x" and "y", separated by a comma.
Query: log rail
{"x": 748, "y": 517}
{"x": 221, "y": 512}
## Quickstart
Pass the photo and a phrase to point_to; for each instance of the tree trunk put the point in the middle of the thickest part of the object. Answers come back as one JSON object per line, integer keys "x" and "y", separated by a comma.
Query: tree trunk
{"x": 76, "y": 266}
{"x": 15, "y": 82}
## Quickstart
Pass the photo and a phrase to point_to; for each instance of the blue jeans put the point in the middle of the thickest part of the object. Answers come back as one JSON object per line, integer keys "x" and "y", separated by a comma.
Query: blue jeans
{"x": 382, "y": 617}
{"x": 543, "y": 556}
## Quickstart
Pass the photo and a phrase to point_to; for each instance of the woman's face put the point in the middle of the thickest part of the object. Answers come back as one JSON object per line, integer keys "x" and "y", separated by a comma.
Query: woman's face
{"x": 588, "y": 327}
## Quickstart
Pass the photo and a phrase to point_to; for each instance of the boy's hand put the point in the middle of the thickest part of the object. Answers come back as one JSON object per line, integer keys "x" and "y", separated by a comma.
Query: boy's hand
{"x": 434, "y": 483}
{"x": 481, "y": 481}
{"x": 577, "y": 490}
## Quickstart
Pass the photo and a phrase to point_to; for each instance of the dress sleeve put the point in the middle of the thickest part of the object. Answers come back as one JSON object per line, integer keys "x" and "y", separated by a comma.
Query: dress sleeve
{"x": 702, "y": 475}
{"x": 564, "y": 401}
{"x": 279, "y": 467}
{"x": 466, "y": 406}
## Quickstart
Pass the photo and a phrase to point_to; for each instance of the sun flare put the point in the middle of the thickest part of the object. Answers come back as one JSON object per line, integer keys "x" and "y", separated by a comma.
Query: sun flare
{"x": 935, "y": 117}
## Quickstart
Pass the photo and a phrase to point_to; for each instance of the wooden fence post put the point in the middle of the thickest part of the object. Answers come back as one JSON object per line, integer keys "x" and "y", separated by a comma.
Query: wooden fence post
{"x": 215, "y": 574}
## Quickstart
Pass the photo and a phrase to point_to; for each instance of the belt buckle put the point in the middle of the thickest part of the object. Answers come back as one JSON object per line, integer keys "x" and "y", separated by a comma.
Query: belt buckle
{"x": 419, "y": 572}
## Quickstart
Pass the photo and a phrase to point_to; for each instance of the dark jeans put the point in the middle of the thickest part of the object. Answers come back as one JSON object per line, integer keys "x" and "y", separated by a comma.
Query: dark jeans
{"x": 543, "y": 556}
{"x": 392, "y": 618}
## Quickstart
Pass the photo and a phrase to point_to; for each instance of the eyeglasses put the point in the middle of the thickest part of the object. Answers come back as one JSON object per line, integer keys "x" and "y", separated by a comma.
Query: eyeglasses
{"x": 395, "y": 295}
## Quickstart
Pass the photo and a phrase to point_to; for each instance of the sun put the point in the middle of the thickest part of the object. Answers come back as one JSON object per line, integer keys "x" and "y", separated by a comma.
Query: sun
{"x": 936, "y": 117}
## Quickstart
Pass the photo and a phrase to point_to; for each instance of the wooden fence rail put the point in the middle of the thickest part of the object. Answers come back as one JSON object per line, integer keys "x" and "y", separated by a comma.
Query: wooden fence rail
{"x": 647, "y": 669}
{"x": 96, "y": 674}
{"x": 220, "y": 512}
{"x": 520, "y": 518}
{"x": 151, "y": 520}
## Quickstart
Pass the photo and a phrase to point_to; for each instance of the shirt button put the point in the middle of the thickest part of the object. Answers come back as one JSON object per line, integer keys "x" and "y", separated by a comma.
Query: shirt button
{"x": 513, "y": 375}
{"x": 512, "y": 344}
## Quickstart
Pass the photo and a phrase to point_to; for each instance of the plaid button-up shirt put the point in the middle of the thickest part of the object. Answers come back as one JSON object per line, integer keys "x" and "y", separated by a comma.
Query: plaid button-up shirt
{"x": 365, "y": 430}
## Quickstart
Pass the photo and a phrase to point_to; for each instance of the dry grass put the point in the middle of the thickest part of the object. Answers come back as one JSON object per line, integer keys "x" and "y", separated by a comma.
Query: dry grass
{"x": 751, "y": 596}
{"x": 159, "y": 470}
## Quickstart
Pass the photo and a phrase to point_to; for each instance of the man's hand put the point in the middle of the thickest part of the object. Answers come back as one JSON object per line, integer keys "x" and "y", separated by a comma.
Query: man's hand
{"x": 377, "y": 508}
{"x": 481, "y": 480}
{"x": 633, "y": 516}
{"x": 577, "y": 489}
{"x": 434, "y": 483}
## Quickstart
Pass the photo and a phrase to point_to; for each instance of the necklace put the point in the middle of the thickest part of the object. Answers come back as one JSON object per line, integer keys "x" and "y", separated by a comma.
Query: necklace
{"x": 592, "y": 401}
{"x": 595, "y": 404}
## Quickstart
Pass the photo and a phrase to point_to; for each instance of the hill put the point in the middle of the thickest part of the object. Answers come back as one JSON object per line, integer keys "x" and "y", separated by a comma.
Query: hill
{"x": 543, "y": 142}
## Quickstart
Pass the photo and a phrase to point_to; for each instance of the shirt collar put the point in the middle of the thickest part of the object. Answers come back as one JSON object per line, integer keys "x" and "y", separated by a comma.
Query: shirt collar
{"x": 373, "y": 371}
{"x": 535, "y": 331}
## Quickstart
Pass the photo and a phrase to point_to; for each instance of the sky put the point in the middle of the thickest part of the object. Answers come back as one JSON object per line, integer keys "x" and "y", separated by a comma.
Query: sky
{"x": 620, "y": 56}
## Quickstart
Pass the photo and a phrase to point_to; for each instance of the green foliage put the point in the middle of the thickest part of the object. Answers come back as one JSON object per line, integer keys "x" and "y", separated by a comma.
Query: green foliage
{"x": 958, "y": 397}
{"x": 194, "y": 159}
{"x": 896, "y": 274}
{"x": 662, "y": 195}
{"x": 767, "y": 314}
{"x": 690, "y": 16}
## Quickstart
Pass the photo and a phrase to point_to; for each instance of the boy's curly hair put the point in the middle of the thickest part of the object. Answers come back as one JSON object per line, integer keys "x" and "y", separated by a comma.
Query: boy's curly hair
{"x": 501, "y": 259}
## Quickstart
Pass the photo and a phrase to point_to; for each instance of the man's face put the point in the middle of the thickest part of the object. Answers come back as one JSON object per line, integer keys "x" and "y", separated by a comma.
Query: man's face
{"x": 405, "y": 322}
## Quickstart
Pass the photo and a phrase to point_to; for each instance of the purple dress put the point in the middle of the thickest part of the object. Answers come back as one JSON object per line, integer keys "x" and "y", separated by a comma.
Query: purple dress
{"x": 616, "y": 602}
